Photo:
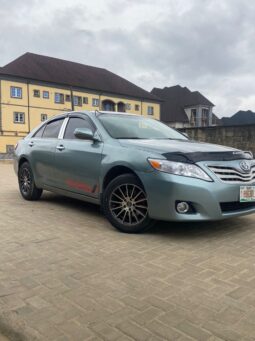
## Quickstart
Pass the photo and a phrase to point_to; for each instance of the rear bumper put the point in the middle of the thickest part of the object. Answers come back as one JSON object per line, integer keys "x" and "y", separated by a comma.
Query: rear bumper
{"x": 163, "y": 190}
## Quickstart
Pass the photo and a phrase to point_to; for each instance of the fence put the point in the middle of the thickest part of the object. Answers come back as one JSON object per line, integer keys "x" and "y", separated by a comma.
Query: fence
{"x": 241, "y": 137}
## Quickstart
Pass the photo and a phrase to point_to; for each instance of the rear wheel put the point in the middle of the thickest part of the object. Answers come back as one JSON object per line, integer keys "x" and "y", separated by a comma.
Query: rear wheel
{"x": 27, "y": 186}
{"x": 125, "y": 204}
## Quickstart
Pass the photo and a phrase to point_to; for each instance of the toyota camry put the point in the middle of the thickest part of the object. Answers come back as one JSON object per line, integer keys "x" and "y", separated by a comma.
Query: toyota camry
{"x": 138, "y": 169}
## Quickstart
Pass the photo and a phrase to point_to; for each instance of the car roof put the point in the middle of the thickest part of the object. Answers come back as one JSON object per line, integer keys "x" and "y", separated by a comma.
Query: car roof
{"x": 115, "y": 113}
{"x": 90, "y": 113}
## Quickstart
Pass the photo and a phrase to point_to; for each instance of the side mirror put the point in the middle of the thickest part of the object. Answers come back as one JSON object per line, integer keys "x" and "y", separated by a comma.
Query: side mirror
{"x": 85, "y": 134}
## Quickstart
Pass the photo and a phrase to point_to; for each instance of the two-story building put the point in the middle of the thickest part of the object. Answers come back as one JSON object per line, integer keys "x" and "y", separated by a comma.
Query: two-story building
{"x": 182, "y": 108}
{"x": 33, "y": 88}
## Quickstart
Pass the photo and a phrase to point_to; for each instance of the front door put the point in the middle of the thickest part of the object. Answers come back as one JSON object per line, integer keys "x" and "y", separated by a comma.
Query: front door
{"x": 78, "y": 162}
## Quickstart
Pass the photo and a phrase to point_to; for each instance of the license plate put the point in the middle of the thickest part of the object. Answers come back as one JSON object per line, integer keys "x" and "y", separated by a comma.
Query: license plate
{"x": 247, "y": 193}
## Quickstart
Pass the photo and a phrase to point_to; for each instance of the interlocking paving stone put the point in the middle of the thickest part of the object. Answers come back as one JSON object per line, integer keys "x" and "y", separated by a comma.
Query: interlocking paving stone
{"x": 66, "y": 274}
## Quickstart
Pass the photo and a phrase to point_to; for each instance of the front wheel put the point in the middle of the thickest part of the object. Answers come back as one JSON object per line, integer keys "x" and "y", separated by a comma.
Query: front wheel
{"x": 125, "y": 204}
{"x": 27, "y": 186}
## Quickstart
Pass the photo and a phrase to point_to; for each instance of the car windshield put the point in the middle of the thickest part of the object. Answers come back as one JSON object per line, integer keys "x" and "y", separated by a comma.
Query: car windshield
{"x": 135, "y": 127}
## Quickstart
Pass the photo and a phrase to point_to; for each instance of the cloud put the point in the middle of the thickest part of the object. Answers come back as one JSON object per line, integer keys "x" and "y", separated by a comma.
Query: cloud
{"x": 206, "y": 45}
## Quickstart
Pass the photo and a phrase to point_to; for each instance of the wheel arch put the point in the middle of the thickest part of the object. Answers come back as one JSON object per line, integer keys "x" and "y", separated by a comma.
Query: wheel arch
{"x": 116, "y": 171}
{"x": 138, "y": 221}
{"x": 22, "y": 160}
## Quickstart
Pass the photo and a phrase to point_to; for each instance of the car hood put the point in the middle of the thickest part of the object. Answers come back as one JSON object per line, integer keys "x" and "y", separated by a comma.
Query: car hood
{"x": 187, "y": 150}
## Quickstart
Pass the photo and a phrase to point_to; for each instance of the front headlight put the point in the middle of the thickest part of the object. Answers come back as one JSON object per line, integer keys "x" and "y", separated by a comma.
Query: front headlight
{"x": 179, "y": 168}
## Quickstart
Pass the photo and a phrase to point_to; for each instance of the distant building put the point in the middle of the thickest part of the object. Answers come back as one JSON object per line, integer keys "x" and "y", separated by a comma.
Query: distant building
{"x": 239, "y": 118}
{"x": 184, "y": 108}
{"x": 33, "y": 88}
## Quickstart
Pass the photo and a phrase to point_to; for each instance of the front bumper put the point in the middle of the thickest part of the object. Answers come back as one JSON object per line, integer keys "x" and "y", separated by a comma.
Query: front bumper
{"x": 163, "y": 190}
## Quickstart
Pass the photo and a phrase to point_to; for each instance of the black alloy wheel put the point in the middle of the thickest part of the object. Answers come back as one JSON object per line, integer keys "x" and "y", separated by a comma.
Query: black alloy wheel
{"x": 27, "y": 186}
{"x": 125, "y": 204}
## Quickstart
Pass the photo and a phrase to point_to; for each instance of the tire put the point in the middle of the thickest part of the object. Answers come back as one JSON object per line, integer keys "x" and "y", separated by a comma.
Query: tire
{"x": 27, "y": 186}
{"x": 125, "y": 204}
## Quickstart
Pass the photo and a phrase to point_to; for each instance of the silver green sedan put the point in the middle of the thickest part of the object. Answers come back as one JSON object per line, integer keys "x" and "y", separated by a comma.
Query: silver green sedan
{"x": 138, "y": 169}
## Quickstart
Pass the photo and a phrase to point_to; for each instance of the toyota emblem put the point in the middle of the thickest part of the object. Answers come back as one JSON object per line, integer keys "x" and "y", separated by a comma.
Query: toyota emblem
{"x": 245, "y": 166}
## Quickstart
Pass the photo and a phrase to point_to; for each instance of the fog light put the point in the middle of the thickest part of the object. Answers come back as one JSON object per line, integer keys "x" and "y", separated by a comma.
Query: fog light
{"x": 182, "y": 207}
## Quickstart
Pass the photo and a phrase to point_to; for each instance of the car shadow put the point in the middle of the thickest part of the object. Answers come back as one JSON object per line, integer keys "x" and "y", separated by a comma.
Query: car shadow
{"x": 200, "y": 230}
{"x": 66, "y": 202}
{"x": 176, "y": 230}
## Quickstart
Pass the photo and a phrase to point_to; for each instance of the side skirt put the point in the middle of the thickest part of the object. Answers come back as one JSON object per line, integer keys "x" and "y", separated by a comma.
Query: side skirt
{"x": 78, "y": 196}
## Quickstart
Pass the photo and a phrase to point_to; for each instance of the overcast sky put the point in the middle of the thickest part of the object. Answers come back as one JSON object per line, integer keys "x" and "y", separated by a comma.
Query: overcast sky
{"x": 206, "y": 45}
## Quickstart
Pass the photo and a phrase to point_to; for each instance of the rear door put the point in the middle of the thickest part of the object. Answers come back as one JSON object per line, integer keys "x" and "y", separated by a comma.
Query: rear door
{"x": 78, "y": 162}
{"x": 42, "y": 152}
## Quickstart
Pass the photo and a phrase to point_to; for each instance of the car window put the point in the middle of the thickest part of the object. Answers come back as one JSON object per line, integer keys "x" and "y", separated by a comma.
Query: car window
{"x": 76, "y": 122}
{"x": 39, "y": 132}
{"x": 52, "y": 129}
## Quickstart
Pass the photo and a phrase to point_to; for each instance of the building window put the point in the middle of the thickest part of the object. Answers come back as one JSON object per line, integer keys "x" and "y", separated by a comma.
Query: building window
{"x": 108, "y": 105}
{"x": 68, "y": 98}
{"x": 46, "y": 94}
{"x": 137, "y": 107}
{"x": 19, "y": 117}
{"x": 205, "y": 117}
{"x": 85, "y": 100}
{"x": 193, "y": 117}
{"x": 36, "y": 93}
{"x": 16, "y": 92}
{"x": 44, "y": 117}
{"x": 150, "y": 111}
{"x": 128, "y": 106}
{"x": 77, "y": 101}
{"x": 95, "y": 102}
{"x": 59, "y": 98}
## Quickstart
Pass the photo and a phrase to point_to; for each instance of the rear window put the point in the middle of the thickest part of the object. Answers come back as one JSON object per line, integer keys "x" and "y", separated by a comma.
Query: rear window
{"x": 39, "y": 132}
{"x": 52, "y": 129}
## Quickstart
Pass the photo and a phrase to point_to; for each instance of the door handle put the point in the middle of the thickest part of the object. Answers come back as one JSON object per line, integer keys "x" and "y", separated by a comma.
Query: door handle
{"x": 31, "y": 144}
{"x": 60, "y": 147}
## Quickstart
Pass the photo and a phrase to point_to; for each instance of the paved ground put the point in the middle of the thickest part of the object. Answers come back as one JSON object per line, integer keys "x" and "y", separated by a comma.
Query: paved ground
{"x": 66, "y": 274}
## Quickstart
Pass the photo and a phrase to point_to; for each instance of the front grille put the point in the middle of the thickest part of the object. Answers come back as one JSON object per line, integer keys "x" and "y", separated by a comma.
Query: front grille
{"x": 236, "y": 206}
{"x": 233, "y": 175}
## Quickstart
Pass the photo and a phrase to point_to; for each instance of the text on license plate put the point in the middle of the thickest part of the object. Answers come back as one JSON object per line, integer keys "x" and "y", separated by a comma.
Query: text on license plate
{"x": 247, "y": 193}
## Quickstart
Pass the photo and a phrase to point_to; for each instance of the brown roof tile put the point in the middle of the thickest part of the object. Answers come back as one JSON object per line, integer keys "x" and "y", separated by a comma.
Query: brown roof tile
{"x": 175, "y": 100}
{"x": 52, "y": 70}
